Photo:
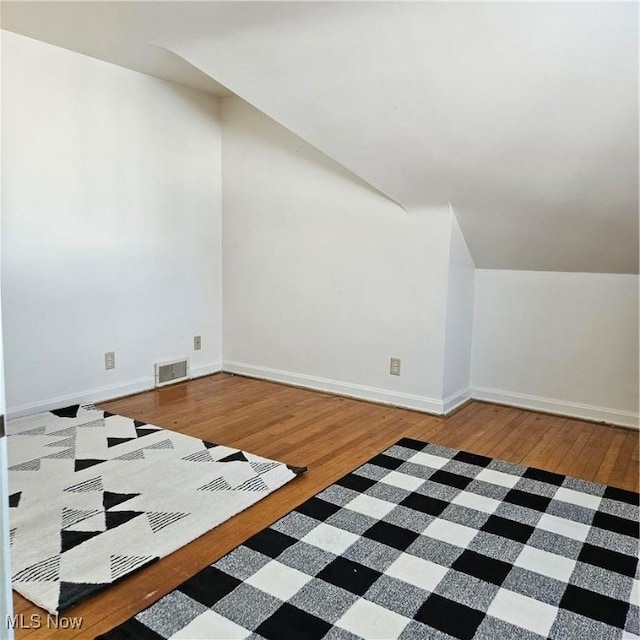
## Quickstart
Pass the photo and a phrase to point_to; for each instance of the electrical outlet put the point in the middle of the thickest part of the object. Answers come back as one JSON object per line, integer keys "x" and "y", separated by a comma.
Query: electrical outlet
{"x": 110, "y": 360}
{"x": 394, "y": 367}
{"x": 197, "y": 343}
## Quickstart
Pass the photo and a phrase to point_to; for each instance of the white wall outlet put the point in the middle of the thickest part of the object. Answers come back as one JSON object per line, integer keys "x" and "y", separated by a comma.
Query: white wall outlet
{"x": 110, "y": 360}
{"x": 394, "y": 366}
{"x": 197, "y": 343}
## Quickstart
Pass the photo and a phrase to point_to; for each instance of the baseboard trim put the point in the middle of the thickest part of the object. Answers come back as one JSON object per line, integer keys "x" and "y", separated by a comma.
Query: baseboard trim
{"x": 101, "y": 394}
{"x": 205, "y": 370}
{"x": 455, "y": 401}
{"x": 97, "y": 394}
{"x": 557, "y": 407}
{"x": 348, "y": 389}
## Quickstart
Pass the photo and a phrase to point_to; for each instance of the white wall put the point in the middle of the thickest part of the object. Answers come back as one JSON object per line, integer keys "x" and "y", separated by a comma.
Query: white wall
{"x": 561, "y": 342}
{"x": 488, "y": 105}
{"x": 6, "y": 595}
{"x": 324, "y": 279}
{"x": 111, "y": 213}
{"x": 459, "y": 325}
{"x": 112, "y": 226}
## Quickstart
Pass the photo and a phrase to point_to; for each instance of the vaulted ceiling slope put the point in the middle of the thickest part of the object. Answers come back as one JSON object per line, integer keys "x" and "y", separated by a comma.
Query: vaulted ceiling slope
{"x": 523, "y": 115}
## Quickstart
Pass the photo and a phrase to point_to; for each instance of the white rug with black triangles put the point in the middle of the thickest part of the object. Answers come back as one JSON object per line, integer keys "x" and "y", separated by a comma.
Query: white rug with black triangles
{"x": 95, "y": 496}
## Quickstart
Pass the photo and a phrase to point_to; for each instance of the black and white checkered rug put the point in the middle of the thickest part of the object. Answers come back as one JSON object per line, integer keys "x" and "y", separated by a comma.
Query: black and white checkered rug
{"x": 423, "y": 542}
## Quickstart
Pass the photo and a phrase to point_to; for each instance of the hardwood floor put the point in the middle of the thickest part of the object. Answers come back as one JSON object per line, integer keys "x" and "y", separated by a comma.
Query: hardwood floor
{"x": 331, "y": 436}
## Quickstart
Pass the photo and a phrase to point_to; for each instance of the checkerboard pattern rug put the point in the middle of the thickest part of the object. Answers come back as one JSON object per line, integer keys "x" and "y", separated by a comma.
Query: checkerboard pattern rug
{"x": 423, "y": 542}
{"x": 95, "y": 496}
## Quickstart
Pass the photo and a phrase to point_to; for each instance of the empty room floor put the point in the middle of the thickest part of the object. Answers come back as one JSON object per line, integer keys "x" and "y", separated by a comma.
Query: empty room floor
{"x": 331, "y": 436}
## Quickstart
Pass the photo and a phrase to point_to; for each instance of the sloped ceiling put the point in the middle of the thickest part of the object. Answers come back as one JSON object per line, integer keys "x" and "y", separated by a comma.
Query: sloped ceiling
{"x": 523, "y": 115}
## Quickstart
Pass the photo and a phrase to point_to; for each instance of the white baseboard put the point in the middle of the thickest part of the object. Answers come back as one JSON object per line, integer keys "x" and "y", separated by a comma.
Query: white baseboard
{"x": 455, "y": 400}
{"x": 558, "y": 407}
{"x": 97, "y": 394}
{"x": 381, "y": 396}
{"x": 432, "y": 405}
{"x": 101, "y": 394}
{"x": 205, "y": 369}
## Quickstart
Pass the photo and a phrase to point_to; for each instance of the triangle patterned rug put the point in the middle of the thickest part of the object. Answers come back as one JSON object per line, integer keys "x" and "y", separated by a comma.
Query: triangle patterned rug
{"x": 423, "y": 542}
{"x": 95, "y": 496}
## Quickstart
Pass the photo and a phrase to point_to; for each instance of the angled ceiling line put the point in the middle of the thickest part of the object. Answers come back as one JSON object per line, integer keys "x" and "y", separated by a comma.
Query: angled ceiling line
{"x": 239, "y": 94}
{"x": 524, "y": 115}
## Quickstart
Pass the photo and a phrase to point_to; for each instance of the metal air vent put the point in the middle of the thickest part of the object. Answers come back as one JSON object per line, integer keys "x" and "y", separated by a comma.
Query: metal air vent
{"x": 170, "y": 372}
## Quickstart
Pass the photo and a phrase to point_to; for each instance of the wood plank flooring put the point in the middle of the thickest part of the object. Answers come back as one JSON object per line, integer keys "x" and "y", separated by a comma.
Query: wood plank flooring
{"x": 331, "y": 436}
